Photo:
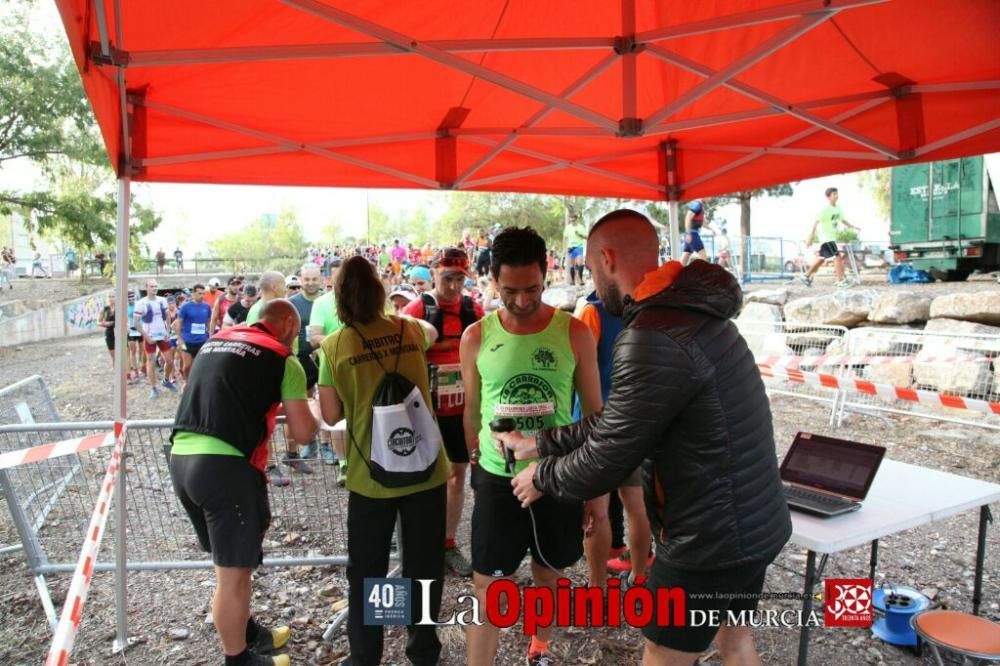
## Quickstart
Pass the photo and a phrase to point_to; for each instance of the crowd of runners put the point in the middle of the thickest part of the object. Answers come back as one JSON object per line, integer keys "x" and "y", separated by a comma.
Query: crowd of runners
{"x": 414, "y": 371}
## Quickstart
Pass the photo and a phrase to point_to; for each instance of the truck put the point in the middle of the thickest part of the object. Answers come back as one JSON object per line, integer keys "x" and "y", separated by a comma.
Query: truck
{"x": 944, "y": 216}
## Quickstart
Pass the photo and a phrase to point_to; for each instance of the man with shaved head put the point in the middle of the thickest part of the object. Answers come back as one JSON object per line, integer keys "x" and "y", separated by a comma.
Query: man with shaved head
{"x": 243, "y": 376}
{"x": 687, "y": 399}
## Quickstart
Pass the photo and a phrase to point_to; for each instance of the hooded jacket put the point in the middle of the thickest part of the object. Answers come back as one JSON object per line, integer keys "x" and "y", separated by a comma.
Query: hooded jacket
{"x": 686, "y": 398}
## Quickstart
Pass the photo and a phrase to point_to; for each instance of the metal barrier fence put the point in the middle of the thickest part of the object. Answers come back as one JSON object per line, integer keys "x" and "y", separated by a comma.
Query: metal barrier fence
{"x": 949, "y": 364}
{"x": 965, "y": 365}
{"x": 50, "y": 503}
{"x": 774, "y": 339}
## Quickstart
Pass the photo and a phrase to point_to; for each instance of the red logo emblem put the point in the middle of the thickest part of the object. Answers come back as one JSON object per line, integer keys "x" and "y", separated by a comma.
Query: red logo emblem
{"x": 848, "y": 602}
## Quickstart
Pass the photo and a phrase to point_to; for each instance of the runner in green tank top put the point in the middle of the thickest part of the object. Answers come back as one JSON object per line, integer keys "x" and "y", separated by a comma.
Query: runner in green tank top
{"x": 525, "y": 377}
{"x": 523, "y": 362}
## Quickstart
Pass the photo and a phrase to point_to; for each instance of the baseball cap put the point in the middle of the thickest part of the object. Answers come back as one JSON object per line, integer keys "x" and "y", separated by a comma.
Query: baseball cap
{"x": 249, "y": 290}
{"x": 406, "y": 291}
{"x": 234, "y": 280}
{"x": 214, "y": 282}
{"x": 293, "y": 281}
{"x": 453, "y": 260}
{"x": 420, "y": 273}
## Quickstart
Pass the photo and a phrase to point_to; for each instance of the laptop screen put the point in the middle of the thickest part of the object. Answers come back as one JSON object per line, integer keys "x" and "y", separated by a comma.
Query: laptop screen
{"x": 834, "y": 465}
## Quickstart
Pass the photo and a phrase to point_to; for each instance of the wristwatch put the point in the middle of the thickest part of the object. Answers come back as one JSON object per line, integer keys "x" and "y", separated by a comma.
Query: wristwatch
{"x": 475, "y": 455}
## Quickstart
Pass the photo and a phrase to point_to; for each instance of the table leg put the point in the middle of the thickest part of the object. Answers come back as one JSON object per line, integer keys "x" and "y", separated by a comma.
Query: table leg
{"x": 807, "y": 603}
{"x": 874, "y": 561}
{"x": 977, "y": 592}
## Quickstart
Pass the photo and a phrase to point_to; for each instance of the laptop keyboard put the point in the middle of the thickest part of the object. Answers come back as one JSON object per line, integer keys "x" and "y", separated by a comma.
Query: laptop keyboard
{"x": 815, "y": 500}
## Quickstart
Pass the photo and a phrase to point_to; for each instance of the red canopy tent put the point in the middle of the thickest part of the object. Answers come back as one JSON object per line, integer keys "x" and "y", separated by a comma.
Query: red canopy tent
{"x": 583, "y": 97}
{"x": 637, "y": 98}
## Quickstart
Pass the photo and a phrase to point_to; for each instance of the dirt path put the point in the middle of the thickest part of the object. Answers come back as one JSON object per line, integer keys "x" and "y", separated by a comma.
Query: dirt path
{"x": 78, "y": 373}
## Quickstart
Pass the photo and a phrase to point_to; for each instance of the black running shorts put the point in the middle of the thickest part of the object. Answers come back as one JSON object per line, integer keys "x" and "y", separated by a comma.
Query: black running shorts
{"x": 226, "y": 500}
{"x": 734, "y": 589}
{"x": 453, "y": 434}
{"x": 502, "y": 532}
{"x": 828, "y": 249}
{"x": 192, "y": 348}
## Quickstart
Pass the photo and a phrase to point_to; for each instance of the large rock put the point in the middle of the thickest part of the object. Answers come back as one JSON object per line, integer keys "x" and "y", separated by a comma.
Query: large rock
{"x": 901, "y": 307}
{"x": 843, "y": 308}
{"x": 951, "y": 331}
{"x": 981, "y": 306}
{"x": 966, "y": 374}
{"x": 953, "y": 361}
{"x": 769, "y": 296}
{"x": 894, "y": 374}
{"x": 882, "y": 341}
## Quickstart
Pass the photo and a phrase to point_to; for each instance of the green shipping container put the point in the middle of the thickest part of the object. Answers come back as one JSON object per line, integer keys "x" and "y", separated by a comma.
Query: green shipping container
{"x": 945, "y": 216}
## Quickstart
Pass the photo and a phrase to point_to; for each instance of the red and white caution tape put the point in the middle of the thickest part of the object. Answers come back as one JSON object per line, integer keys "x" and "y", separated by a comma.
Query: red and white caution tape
{"x": 72, "y": 612}
{"x": 55, "y": 450}
{"x": 885, "y": 391}
{"x": 846, "y": 359}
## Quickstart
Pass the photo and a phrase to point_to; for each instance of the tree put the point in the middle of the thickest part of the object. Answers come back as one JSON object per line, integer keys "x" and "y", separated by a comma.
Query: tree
{"x": 266, "y": 243}
{"x": 744, "y": 199}
{"x": 45, "y": 119}
{"x": 878, "y": 183}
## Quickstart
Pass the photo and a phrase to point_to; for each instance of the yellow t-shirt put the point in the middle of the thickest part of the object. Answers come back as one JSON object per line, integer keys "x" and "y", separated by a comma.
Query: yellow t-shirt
{"x": 353, "y": 370}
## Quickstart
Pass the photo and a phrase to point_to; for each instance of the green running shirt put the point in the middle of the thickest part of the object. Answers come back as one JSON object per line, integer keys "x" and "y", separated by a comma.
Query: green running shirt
{"x": 526, "y": 377}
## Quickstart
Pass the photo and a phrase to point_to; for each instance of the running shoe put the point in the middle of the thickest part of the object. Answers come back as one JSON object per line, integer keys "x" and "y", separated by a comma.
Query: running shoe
{"x": 269, "y": 640}
{"x": 342, "y": 476}
{"x": 169, "y": 385}
{"x": 306, "y": 451}
{"x": 296, "y": 463}
{"x": 277, "y": 477}
{"x": 153, "y": 393}
{"x": 623, "y": 563}
{"x": 844, "y": 284}
{"x": 455, "y": 562}
{"x": 540, "y": 659}
{"x": 327, "y": 455}
{"x": 807, "y": 281}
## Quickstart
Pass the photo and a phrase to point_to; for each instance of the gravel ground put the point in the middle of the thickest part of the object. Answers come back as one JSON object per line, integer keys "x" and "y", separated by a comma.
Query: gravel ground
{"x": 78, "y": 373}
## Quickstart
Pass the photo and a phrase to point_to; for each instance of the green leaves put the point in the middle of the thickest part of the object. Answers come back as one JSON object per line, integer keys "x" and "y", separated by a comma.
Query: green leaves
{"x": 45, "y": 119}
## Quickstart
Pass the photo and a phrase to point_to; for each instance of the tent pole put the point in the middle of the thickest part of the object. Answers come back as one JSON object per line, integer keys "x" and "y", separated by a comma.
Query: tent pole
{"x": 673, "y": 195}
{"x": 121, "y": 407}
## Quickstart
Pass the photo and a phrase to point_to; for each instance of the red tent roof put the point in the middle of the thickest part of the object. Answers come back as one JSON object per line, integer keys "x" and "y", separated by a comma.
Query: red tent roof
{"x": 581, "y": 97}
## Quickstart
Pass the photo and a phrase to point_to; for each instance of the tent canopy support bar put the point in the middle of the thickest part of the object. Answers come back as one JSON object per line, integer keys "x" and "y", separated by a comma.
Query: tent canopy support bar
{"x": 798, "y": 136}
{"x": 408, "y": 43}
{"x": 358, "y": 49}
{"x": 955, "y": 138}
{"x": 570, "y": 90}
{"x": 757, "y": 16}
{"x": 290, "y": 144}
{"x": 766, "y": 98}
{"x": 722, "y": 76}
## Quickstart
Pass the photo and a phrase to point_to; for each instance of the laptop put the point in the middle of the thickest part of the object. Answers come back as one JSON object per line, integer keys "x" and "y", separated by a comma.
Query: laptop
{"x": 827, "y": 477}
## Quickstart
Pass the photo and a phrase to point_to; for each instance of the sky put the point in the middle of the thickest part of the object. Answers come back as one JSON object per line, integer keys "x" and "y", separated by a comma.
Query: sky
{"x": 193, "y": 215}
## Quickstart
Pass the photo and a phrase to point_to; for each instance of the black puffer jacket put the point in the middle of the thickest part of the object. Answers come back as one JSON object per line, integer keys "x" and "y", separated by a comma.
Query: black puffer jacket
{"x": 687, "y": 398}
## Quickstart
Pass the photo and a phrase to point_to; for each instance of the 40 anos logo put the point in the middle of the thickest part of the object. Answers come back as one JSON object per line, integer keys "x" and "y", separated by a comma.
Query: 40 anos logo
{"x": 403, "y": 441}
{"x": 527, "y": 390}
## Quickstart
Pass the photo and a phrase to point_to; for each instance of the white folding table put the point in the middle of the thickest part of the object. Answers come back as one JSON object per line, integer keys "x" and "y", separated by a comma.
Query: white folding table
{"x": 902, "y": 496}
